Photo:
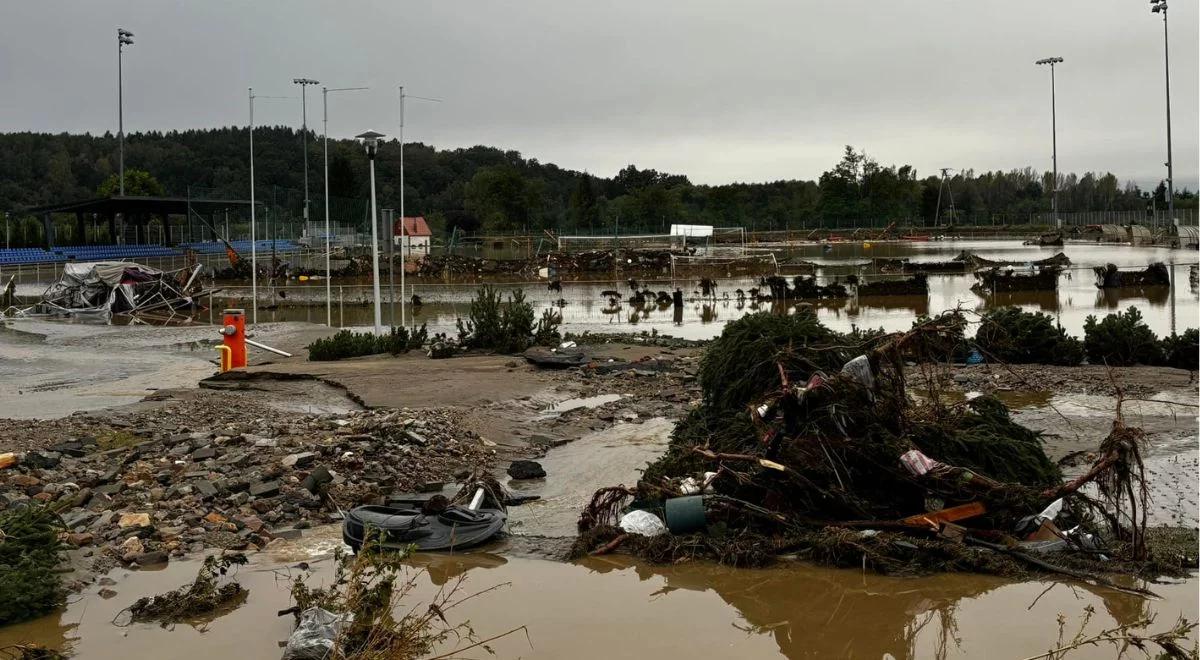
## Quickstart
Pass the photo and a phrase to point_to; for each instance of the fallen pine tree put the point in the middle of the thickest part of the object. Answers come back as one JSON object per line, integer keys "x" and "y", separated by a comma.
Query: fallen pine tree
{"x": 807, "y": 442}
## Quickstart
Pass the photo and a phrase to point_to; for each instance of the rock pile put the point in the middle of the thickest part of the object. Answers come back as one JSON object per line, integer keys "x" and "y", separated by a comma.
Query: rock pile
{"x": 165, "y": 493}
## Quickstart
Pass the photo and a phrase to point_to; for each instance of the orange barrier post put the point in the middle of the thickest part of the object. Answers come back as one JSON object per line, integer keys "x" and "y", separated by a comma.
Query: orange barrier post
{"x": 234, "y": 331}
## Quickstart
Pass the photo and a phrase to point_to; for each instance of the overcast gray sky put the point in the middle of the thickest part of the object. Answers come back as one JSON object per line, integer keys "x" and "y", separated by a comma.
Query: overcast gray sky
{"x": 746, "y": 90}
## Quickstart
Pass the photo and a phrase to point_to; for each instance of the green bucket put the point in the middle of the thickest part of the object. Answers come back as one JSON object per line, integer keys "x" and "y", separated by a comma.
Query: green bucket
{"x": 685, "y": 514}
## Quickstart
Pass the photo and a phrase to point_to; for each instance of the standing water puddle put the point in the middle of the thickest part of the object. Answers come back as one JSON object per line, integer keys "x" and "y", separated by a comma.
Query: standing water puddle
{"x": 576, "y": 470}
{"x": 615, "y": 607}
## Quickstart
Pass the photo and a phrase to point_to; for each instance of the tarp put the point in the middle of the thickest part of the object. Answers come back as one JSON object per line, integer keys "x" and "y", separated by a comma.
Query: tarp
{"x": 103, "y": 288}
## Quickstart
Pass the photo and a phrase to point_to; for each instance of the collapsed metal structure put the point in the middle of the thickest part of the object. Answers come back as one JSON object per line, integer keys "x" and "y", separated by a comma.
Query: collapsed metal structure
{"x": 103, "y": 289}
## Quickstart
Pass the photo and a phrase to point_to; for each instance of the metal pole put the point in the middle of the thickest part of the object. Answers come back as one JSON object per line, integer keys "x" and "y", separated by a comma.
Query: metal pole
{"x": 304, "y": 141}
{"x": 1170, "y": 163}
{"x": 374, "y": 245}
{"x": 253, "y": 245}
{"x": 121, "y": 112}
{"x": 328, "y": 272}
{"x": 390, "y": 221}
{"x": 403, "y": 234}
{"x": 1054, "y": 143}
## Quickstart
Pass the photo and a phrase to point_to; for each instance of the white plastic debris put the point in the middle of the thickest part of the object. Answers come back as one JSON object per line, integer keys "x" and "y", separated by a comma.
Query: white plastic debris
{"x": 314, "y": 636}
{"x": 916, "y": 462}
{"x": 860, "y": 369}
{"x": 689, "y": 486}
{"x": 643, "y": 523}
{"x": 568, "y": 344}
{"x": 1051, "y": 512}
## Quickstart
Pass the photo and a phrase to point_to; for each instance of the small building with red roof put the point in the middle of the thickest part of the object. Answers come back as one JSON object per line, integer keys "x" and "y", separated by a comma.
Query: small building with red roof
{"x": 412, "y": 235}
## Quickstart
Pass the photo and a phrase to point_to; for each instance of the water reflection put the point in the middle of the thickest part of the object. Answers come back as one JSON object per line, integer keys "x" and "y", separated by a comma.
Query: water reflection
{"x": 1115, "y": 297}
{"x": 814, "y": 612}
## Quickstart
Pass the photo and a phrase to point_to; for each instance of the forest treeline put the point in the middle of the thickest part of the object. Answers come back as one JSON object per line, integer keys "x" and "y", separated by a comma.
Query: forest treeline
{"x": 487, "y": 188}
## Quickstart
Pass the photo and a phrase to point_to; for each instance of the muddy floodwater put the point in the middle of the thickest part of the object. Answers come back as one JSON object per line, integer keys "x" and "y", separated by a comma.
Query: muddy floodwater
{"x": 584, "y": 308}
{"x": 613, "y": 607}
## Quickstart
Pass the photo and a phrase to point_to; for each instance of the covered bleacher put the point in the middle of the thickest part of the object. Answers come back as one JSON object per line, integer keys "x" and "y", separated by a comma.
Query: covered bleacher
{"x": 121, "y": 229}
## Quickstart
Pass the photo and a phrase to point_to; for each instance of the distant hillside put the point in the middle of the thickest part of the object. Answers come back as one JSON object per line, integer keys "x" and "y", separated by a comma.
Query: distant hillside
{"x": 484, "y": 187}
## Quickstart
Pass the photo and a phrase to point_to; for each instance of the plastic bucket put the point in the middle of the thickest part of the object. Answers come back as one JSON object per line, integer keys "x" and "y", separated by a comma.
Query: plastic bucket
{"x": 685, "y": 514}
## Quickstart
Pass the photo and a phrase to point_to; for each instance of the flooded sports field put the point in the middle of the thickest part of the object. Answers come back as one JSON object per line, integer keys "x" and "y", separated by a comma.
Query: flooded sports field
{"x": 584, "y": 307}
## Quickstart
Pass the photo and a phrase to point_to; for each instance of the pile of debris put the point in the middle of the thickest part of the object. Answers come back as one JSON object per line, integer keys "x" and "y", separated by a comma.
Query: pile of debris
{"x": 917, "y": 285}
{"x": 884, "y": 265}
{"x": 802, "y": 288}
{"x": 808, "y": 442}
{"x": 442, "y": 265}
{"x": 1109, "y": 276}
{"x": 976, "y": 262}
{"x": 142, "y": 495}
{"x": 996, "y": 280}
{"x": 100, "y": 290}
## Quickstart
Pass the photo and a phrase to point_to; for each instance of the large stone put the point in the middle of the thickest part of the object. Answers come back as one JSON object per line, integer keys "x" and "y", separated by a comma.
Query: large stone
{"x": 526, "y": 470}
{"x": 301, "y": 460}
{"x": 72, "y": 448}
{"x": 265, "y": 489}
{"x": 204, "y": 453}
{"x": 205, "y": 489}
{"x": 80, "y": 539}
{"x": 134, "y": 520}
{"x": 132, "y": 547}
{"x": 150, "y": 558}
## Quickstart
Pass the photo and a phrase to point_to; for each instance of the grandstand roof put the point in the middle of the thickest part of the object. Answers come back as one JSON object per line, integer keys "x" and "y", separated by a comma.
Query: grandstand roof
{"x": 132, "y": 204}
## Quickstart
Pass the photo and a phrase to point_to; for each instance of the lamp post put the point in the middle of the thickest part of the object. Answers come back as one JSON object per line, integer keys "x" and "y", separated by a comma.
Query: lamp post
{"x": 1053, "y": 137}
{"x": 370, "y": 140}
{"x": 304, "y": 83}
{"x": 253, "y": 245}
{"x": 1160, "y": 7}
{"x": 124, "y": 38}
{"x": 404, "y": 239}
{"x": 325, "y": 140}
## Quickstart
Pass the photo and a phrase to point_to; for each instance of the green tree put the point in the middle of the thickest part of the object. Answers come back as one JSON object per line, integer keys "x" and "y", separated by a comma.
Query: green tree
{"x": 138, "y": 183}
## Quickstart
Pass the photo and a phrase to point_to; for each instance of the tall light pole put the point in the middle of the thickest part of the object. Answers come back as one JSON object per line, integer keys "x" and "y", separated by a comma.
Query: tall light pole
{"x": 124, "y": 38}
{"x": 253, "y": 244}
{"x": 1160, "y": 7}
{"x": 325, "y": 139}
{"x": 304, "y": 83}
{"x": 370, "y": 140}
{"x": 1053, "y": 137}
{"x": 404, "y": 239}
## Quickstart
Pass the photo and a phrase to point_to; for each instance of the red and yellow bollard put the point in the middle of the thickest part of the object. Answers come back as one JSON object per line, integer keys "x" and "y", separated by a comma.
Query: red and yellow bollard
{"x": 233, "y": 348}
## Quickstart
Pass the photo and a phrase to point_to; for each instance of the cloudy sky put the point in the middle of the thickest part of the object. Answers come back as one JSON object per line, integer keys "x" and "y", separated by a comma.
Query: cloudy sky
{"x": 752, "y": 90}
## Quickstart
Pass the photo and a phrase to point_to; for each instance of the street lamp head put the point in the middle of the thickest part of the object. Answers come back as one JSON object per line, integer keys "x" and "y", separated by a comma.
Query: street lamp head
{"x": 1049, "y": 60}
{"x": 305, "y": 81}
{"x": 370, "y": 140}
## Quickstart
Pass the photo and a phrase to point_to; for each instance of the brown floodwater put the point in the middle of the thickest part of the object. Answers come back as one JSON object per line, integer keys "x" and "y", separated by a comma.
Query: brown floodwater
{"x": 614, "y": 607}
{"x": 583, "y": 308}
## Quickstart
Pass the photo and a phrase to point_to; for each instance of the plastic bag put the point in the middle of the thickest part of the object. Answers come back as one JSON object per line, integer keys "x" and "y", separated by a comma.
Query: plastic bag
{"x": 860, "y": 369}
{"x": 643, "y": 523}
{"x": 315, "y": 635}
{"x": 917, "y": 463}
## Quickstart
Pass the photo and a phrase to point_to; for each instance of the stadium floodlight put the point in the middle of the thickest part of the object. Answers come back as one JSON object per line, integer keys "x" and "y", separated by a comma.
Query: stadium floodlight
{"x": 1160, "y": 7}
{"x": 124, "y": 38}
{"x": 304, "y": 83}
{"x": 1053, "y": 137}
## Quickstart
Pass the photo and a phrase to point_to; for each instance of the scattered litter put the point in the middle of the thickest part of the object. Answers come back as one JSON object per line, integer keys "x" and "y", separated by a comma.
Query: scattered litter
{"x": 643, "y": 523}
